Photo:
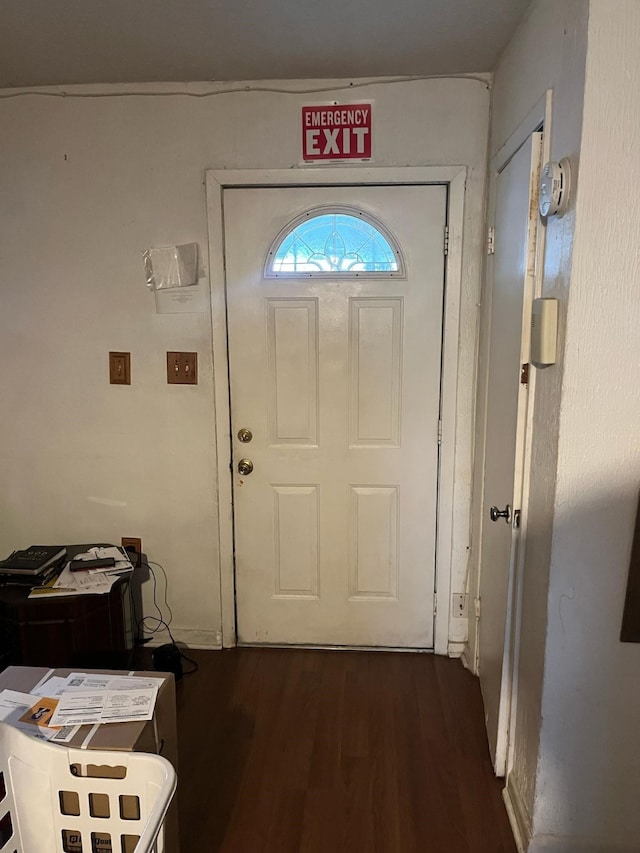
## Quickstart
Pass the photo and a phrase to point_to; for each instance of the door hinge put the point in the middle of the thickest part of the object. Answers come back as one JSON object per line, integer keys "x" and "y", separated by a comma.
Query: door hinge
{"x": 435, "y": 603}
{"x": 491, "y": 240}
{"x": 516, "y": 518}
{"x": 476, "y": 607}
{"x": 439, "y": 432}
{"x": 524, "y": 374}
{"x": 446, "y": 239}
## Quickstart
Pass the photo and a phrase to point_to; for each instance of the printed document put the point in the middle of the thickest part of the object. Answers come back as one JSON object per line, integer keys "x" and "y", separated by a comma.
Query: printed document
{"x": 80, "y": 707}
{"x": 57, "y": 685}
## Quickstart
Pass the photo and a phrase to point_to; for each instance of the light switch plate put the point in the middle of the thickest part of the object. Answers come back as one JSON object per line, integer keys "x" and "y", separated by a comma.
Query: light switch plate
{"x": 120, "y": 368}
{"x": 182, "y": 368}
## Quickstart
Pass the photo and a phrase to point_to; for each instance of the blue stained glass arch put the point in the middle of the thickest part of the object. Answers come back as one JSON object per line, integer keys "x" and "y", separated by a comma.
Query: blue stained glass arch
{"x": 337, "y": 242}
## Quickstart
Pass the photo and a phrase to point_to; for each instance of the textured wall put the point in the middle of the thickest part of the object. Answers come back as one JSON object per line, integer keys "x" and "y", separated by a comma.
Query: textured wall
{"x": 86, "y": 184}
{"x": 589, "y": 771}
{"x": 546, "y": 52}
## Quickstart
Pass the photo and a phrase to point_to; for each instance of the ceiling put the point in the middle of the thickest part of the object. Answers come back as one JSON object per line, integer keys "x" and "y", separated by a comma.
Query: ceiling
{"x": 46, "y": 42}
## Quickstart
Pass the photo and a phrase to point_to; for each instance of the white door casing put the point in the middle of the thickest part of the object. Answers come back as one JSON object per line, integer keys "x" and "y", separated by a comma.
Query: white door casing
{"x": 513, "y": 281}
{"x": 339, "y": 382}
{"x": 454, "y": 493}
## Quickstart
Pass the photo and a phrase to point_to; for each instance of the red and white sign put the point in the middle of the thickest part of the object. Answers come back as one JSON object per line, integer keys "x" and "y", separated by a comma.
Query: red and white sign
{"x": 341, "y": 132}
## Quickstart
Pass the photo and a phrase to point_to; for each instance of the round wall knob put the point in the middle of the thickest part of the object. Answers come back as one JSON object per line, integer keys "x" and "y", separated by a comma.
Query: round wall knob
{"x": 245, "y": 435}
{"x": 496, "y": 513}
{"x": 245, "y": 467}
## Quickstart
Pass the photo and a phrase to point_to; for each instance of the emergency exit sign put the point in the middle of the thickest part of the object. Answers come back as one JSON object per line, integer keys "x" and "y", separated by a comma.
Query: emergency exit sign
{"x": 337, "y": 132}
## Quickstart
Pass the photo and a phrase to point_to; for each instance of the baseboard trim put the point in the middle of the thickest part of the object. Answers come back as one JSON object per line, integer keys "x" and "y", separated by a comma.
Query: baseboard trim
{"x": 456, "y": 649}
{"x": 573, "y": 844}
{"x": 465, "y": 657}
{"x": 518, "y": 816}
{"x": 193, "y": 638}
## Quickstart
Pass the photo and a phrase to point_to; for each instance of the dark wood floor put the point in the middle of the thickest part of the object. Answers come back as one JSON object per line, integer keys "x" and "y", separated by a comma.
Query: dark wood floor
{"x": 294, "y": 751}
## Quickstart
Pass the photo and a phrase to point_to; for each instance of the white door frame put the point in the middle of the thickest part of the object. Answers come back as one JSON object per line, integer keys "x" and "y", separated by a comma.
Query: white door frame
{"x": 539, "y": 116}
{"x": 217, "y": 180}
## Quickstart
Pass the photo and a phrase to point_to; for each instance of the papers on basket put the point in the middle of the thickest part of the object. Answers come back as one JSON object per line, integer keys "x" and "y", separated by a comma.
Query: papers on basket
{"x": 57, "y": 685}
{"x": 79, "y": 707}
{"x": 82, "y": 699}
{"x": 56, "y": 709}
{"x": 15, "y": 706}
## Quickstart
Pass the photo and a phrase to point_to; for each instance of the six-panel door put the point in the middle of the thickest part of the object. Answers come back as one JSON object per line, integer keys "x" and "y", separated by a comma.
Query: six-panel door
{"x": 337, "y": 377}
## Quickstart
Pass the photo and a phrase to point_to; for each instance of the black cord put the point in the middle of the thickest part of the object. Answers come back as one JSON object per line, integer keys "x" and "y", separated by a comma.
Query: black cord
{"x": 182, "y": 654}
{"x": 138, "y": 640}
{"x": 161, "y": 624}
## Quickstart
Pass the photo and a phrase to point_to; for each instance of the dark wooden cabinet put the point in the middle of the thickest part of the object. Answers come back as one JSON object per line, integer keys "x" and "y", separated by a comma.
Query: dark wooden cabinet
{"x": 95, "y": 631}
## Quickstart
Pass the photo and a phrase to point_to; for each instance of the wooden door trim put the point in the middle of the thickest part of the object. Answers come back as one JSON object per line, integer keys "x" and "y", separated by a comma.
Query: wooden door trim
{"x": 452, "y": 503}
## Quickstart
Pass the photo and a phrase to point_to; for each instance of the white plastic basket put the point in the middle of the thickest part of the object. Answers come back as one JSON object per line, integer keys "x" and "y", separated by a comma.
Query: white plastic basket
{"x": 48, "y": 802}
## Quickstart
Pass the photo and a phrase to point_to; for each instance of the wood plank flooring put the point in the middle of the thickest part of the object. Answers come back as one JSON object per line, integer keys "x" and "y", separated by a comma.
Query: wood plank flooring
{"x": 296, "y": 751}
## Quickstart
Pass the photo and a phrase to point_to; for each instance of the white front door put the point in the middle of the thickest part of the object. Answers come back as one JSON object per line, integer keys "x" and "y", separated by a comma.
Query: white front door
{"x": 516, "y": 223}
{"x": 338, "y": 381}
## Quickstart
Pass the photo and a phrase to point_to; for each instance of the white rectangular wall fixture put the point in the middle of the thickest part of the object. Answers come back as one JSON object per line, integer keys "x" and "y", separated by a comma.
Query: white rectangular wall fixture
{"x": 544, "y": 332}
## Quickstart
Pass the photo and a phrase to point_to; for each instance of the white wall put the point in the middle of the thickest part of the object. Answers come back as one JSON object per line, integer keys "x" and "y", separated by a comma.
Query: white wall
{"x": 546, "y": 52}
{"x": 589, "y": 768}
{"x": 86, "y": 184}
{"x": 575, "y": 772}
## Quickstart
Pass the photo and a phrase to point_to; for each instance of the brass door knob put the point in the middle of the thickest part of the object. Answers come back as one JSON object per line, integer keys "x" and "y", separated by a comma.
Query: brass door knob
{"x": 245, "y": 435}
{"x": 245, "y": 467}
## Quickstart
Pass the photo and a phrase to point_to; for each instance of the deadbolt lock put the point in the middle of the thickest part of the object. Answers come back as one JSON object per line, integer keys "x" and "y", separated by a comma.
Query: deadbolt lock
{"x": 245, "y": 467}
{"x": 245, "y": 435}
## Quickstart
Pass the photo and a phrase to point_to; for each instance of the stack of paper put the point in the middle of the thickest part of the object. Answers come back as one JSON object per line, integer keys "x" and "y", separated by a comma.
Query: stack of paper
{"x": 83, "y": 698}
{"x": 91, "y": 581}
{"x": 27, "y": 712}
{"x": 56, "y": 709}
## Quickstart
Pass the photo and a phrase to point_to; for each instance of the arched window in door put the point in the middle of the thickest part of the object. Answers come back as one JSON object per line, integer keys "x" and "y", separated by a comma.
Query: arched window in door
{"x": 341, "y": 242}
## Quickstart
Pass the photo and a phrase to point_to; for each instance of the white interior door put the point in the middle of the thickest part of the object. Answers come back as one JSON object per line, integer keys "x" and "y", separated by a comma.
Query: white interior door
{"x": 338, "y": 380}
{"x": 516, "y": 222}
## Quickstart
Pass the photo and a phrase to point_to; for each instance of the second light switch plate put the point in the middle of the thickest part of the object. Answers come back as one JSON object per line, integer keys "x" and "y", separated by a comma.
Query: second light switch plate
{"x": 182, "y": 368}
